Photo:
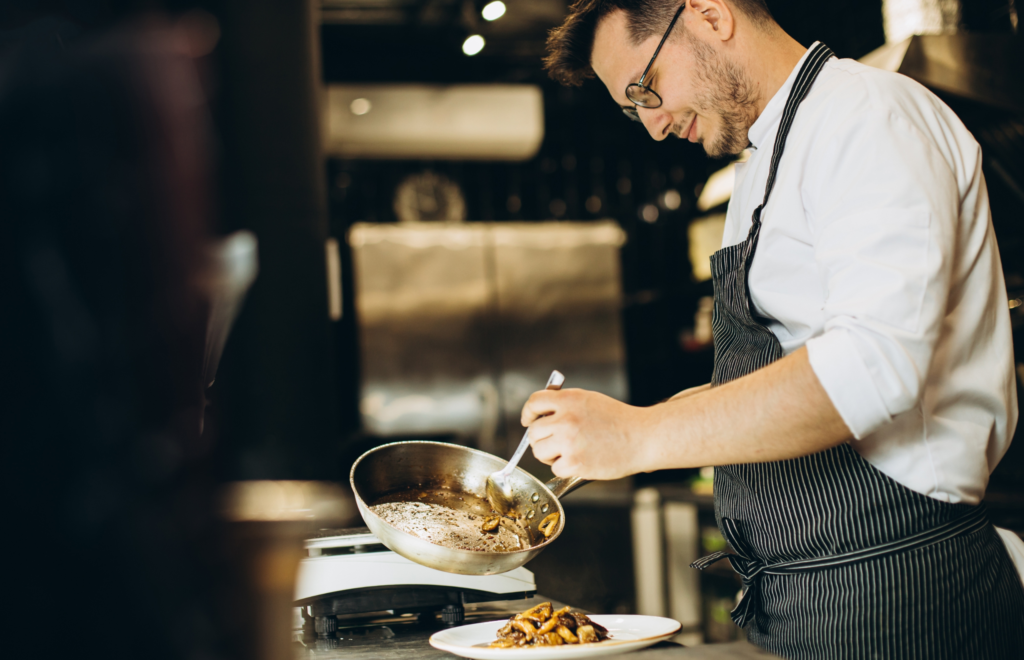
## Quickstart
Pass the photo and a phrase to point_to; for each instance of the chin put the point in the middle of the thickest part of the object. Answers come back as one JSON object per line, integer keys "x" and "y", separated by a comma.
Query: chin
{"x": 714, "y": 150}
{"x": 720, "y": 148}
{"x": 721, "y": 154}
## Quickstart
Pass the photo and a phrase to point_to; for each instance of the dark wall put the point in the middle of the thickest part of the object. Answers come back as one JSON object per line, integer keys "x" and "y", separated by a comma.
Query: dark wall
{"x": 990, "y": 15}
{"x": 850, "y": 29}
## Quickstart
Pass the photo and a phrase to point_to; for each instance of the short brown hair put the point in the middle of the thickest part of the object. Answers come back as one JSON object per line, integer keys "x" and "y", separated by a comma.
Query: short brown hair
{"x": 570, "y": 44}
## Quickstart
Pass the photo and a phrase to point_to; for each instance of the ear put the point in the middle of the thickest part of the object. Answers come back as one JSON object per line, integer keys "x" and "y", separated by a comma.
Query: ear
{"x": 713, "y": 19}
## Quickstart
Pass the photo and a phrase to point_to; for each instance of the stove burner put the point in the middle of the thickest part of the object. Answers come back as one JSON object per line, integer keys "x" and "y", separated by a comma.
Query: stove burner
{"x": 356, "y": 606}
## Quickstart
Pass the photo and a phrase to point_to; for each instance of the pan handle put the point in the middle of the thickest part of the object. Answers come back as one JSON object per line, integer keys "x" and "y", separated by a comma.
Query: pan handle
{"x": 562, "y": 486}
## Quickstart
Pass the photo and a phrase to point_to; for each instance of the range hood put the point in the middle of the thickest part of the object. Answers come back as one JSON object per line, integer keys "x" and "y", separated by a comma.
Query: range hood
{"x": 418, "y": 121}
{"x": 983, "y": 67}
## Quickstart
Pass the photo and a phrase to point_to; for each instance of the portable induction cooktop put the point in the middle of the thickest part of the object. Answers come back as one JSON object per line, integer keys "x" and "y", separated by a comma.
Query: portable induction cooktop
{"x": 350, "y": 572}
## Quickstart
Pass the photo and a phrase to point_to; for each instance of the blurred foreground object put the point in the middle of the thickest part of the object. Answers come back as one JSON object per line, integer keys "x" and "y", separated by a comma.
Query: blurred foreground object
{"x": 104, "y": 212}
{"x": 232, "y": 264}
{"x": 267, "y": 524}
{"x": 276, "y": 410}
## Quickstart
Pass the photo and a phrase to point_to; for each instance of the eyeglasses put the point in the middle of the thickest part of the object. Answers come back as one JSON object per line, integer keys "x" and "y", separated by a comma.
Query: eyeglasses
{"x": 639, "y": 93}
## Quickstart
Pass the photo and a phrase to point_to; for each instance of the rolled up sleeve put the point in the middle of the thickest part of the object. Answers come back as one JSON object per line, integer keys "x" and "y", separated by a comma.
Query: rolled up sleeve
{"x": 884, "y": 208}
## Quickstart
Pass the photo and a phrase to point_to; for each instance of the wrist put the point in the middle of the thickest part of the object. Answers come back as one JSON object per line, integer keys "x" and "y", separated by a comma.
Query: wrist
{"x": 641, "y": 456}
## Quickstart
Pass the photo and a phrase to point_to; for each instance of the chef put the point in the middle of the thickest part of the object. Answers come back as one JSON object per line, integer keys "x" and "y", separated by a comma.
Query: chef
{"x": 863, "y": 387}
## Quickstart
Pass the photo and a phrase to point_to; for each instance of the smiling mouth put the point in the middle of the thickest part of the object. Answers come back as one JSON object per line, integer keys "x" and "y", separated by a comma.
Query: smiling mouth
{"x": 691, "y": 130}
{"x": 682, "y": 132}
{"x": 679, "y": 132}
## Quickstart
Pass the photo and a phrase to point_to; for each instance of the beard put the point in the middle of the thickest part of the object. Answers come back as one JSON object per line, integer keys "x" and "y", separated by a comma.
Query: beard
{"x": 726, "y": 93}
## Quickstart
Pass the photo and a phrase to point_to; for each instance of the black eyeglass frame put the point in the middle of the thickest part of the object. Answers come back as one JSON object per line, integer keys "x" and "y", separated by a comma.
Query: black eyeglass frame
{"x": 631, "y": 112}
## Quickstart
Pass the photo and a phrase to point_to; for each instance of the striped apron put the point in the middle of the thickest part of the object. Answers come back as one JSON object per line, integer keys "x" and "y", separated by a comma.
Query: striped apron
{"x": 838, "y": 560}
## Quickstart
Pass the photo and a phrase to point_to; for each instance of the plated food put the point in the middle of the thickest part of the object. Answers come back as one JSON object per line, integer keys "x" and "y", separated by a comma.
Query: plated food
{"x": 542, "y": 626}
{"x": 626, "y": 632}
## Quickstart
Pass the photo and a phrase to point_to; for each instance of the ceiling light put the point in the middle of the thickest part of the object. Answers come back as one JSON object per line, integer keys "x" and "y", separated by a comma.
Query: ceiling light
{"x": 360, "y": 106}
{"x": 493, "y": 11}
{"x": 473, "y": 44}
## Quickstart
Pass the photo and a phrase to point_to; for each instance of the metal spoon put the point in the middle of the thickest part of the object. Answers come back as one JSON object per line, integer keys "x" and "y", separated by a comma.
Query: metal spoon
{"x": 499, "y": 489}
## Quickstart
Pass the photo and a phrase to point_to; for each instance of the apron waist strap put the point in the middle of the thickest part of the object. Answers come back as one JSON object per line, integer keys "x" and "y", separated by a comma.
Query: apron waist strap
{"x": 751, "y": 569}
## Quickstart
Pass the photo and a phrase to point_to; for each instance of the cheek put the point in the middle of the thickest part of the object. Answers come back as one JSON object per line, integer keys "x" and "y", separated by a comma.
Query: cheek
{"x": 682, "y": 105}
{"x": 678, "y": 103}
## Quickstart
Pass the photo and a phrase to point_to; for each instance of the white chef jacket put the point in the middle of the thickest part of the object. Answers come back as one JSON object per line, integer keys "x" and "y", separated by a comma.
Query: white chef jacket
{"x": 877, "y": 253}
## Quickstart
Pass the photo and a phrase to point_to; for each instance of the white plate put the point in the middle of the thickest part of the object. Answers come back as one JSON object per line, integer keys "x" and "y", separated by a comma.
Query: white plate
{"x": 627, "y": 632}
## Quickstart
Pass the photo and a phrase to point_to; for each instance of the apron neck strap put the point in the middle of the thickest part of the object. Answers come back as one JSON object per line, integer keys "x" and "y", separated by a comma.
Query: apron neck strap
{"x": 820, "y": 53}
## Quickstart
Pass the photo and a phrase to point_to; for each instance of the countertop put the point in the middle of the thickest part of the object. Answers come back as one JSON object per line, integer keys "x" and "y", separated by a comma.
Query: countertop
{"x": 398, "y": 638}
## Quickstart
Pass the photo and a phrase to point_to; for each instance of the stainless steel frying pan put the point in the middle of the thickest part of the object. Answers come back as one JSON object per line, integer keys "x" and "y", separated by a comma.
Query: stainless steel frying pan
{"x": 415, "y": 466}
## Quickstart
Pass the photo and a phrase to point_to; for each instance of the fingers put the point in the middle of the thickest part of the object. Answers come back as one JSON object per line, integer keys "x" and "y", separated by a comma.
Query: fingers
{"x": 551, "y": 416}
{"x": 546, "y": 451}
{"x": 550, "y": 452}
{"x": 552, "y": 439}
{"x": 559, "y": 456}
{"x": 544, "y": 402}
{"x": 542, "y": 427}
{"x": 564, "y": 468}
{"x": 558, "y": 453}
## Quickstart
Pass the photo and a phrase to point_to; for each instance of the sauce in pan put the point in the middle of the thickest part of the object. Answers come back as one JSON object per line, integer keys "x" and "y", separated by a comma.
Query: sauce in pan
{"x": 457, "y": 528}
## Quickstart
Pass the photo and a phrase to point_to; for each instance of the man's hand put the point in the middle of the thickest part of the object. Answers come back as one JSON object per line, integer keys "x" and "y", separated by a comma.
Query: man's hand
{"x": 580, "y": 433}
{"x": 775, "y": 413}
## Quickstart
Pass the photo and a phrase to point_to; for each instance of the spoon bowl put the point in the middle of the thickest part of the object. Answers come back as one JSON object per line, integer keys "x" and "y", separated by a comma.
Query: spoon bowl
{"x": 499, "y": 484}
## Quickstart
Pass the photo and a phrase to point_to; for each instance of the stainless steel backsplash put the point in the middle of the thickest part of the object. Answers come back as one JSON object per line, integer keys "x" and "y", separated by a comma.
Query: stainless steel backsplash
{"x": 459, "y": 323}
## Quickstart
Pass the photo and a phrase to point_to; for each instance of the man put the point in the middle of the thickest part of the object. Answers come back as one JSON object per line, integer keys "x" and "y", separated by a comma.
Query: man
{"x": 863, "y": 386}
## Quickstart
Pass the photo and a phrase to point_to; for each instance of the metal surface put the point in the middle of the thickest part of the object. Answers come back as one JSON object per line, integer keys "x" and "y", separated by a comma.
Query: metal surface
{"x": 412, "y": 121}
{"x": 499, "y": 484}
{"x": 458, "y": 324}
{"x": 419, "y": 465}
{"x": 986, "y": 68}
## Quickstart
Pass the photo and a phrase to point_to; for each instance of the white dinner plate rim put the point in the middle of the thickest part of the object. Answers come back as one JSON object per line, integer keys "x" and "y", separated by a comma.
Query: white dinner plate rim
{"x": 568, "y": 651}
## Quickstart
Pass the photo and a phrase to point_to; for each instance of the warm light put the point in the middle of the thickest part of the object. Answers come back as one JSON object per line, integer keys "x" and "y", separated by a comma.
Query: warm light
{"x": 671, "y": 199}
{"x": 649, "y": 213}
{"x": 557, "y": 208}
{"x": 473, "y": 45}
{"x": 493, "y": 11}
{"x": 360, "y": 106}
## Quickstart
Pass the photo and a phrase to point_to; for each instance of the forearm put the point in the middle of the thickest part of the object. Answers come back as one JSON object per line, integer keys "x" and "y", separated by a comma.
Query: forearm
{"x": 690, "y": 391}
{"x": 776, "y": 413}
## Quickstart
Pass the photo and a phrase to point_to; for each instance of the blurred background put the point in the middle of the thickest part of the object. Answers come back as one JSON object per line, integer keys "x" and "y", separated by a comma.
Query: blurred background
{"x": 435, "y": 225}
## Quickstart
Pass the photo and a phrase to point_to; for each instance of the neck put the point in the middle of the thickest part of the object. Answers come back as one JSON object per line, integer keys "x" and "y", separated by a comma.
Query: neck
{"x": 769, "y": 61}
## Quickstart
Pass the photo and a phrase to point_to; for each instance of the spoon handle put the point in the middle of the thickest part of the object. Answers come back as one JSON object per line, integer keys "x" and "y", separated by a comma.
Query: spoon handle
{"x": 554, "y": 383}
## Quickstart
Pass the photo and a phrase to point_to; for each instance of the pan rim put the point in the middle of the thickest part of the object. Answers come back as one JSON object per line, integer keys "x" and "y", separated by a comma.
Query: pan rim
{"x": 467, "y": 553}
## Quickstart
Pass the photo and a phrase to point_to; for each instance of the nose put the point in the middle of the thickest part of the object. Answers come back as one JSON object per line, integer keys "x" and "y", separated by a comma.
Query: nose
{"x": 656, "y": 121}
